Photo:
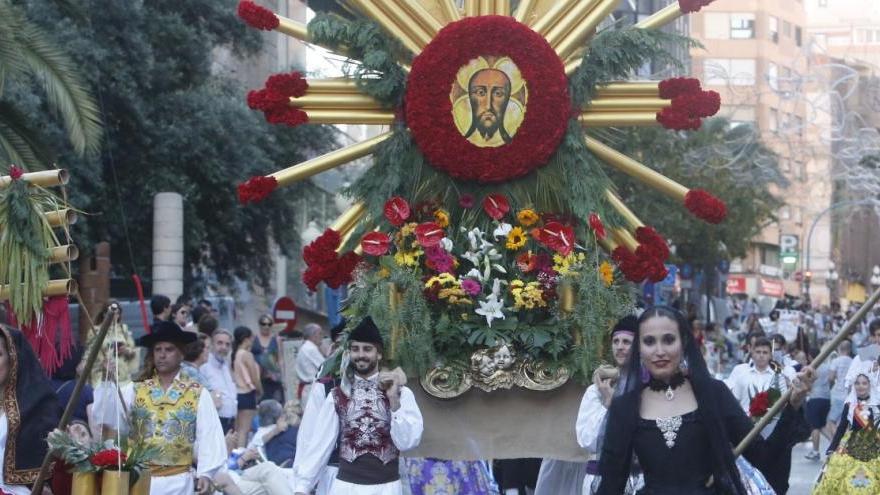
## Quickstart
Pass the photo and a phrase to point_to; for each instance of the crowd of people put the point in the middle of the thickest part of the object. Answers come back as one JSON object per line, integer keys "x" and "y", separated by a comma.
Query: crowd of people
{"x": 214, "y": 401}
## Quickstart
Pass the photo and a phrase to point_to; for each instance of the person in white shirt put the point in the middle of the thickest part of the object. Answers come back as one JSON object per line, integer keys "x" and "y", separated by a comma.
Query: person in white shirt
{"x": 371, "y": 415}
{"x": 597, "y": 399}
{"x": 218, "y": 374}
{"x": 309, "y": 360}
{"x": 840, "y": 367}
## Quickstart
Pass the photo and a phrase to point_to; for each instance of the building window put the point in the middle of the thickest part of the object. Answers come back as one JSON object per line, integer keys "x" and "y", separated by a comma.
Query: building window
{"x": 868, "y": 36}
{"x": 798, "y": 36}
{"x": 727, "y": 71}
{"x": 773, "y": 28}
{"x": 773, "y": 75}
{"x": 742, "y": 26}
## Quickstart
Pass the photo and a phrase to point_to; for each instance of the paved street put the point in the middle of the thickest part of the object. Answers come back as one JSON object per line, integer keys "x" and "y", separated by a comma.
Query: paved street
{"x": 803, "y": 471}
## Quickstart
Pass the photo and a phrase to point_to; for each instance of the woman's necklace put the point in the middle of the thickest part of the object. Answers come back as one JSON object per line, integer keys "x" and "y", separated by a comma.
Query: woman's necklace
{"x": 676, "y": 381}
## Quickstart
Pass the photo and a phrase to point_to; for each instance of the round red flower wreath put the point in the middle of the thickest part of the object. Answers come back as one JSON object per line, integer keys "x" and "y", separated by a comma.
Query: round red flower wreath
{"x": 429, "y": 109}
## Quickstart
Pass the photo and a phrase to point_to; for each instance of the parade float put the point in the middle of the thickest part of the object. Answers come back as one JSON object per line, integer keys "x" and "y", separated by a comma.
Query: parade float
{"x": 487, "y": 239}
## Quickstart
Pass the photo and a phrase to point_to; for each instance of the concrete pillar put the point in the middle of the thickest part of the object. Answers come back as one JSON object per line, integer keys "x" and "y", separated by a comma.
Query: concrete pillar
{"x": 168, "y": 244}
{"x": 94, "y": 285}
{"x": 280, "y": 275}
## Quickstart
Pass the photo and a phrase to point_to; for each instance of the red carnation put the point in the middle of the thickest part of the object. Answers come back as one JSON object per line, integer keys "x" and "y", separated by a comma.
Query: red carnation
{"x": 705, "y": 206}
{"x": 323, "y": 264}
{"x": 557, "y": 237}
{"x": 397, "y": 211}
{"x": 256, "y": 16}
{"x": 597, "y": 226}
{"x": 496, "y": 206}
{"x": 429, "y": 234}
{"x": 759, "y": 404}
{"x": 274, "y": 99}
{"x": 700, "y": 104}
{"x": 108, "y": 458}
{"x": 376, "y": 243}
{"x": 676, "y": 120}
{"x": 670, "y": 88}
{"x": 265, "y": 100}
{"x": 690, "y": 6}
{"x": 291, "y": 85}
{"x": 288, "y": 116}
{"x": 629, "y": 265}
{"x": 15, "y": 172}
{"x": 256, "y": 189}
{"x": 648, "y": 236}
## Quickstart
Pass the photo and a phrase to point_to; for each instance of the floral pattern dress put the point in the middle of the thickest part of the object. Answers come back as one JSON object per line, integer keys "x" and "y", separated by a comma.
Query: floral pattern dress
{"x": 439, "y": 477}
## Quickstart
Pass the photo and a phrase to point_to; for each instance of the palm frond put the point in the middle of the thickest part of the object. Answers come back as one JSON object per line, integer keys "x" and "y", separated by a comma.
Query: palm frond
{"x": 66, "y": 91}
{"x": 18, "y": 143}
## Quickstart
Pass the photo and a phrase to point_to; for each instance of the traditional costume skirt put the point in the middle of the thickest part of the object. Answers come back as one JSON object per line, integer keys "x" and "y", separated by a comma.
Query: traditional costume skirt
{"x": 846, "y": 475}
{"x": 438, "y": 477}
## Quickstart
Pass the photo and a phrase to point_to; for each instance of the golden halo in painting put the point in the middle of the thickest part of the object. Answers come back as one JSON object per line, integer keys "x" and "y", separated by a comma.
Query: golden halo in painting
{"x": 489, "y": 98}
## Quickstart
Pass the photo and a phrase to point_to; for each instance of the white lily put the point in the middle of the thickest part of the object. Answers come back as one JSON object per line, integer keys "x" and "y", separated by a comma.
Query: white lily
{"x": 490, "y": 308}
{"x": 502, "y": 230}
{"x": 447, "y": 244}
{"x": 474, "y": 273}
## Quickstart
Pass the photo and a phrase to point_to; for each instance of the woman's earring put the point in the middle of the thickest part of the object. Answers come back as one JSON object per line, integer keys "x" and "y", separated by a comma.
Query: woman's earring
{"x": 684, "y": 367}
{"x": 645, "y": 376}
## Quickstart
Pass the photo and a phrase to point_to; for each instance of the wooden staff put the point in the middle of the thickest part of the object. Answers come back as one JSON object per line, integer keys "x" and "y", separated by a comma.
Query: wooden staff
{"x": 845, "y": 332}
{"x": 77, "y": 390}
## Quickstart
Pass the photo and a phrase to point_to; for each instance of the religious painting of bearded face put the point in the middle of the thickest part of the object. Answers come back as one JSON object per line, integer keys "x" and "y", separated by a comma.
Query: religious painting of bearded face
{"x": 489, "y": 98}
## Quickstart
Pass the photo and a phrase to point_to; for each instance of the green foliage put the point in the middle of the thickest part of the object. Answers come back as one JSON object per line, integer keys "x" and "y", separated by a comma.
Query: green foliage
{"x": 372, "y": 53}
{"x": 614, "y": 54}
{"x": 729, "y": 162}
{"x": 25, "y": 239}
{"x": 28, "y": 53}
{"x": 175, "y": 126}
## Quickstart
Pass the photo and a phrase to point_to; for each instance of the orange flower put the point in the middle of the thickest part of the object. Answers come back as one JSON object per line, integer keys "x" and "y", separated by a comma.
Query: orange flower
{"x": 442, "y": 218}
{"x": 527, "y": 217}
{"x": 607, "y": 273}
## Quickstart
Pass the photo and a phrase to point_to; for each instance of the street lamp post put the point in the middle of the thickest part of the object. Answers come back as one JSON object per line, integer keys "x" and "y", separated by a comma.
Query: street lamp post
{"x": 831, "y": 279}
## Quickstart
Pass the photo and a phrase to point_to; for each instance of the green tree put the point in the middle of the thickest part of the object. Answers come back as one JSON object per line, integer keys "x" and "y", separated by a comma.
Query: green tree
{"x": 173, "y": 124}
{"x": 27, "y": 54}
{"x": 728, "y": 161}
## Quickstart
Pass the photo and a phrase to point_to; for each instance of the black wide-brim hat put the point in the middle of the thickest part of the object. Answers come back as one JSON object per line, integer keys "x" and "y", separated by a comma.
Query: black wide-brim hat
{"x": 368, "y": 332}
{"x": 167, "y": 331}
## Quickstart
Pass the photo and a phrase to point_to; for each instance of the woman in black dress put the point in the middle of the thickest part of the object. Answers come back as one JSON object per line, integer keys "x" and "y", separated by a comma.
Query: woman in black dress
{"x": 681, "y": 423}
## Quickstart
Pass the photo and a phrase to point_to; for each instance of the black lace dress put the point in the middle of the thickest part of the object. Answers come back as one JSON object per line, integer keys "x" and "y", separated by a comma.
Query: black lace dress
{"x": 677, "y": 455}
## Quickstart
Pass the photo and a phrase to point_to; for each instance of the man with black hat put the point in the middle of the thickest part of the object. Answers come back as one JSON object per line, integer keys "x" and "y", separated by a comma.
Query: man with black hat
{"x": 597, "y": 399}
{"x": 170, "y": 410}
{"x": 371, "y": 415}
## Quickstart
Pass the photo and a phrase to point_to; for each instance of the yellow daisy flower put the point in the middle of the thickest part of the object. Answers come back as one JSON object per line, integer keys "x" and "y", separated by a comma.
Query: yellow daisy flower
{"x": 515, "y": 239}
{"x": 527, "y": 217}
{"x": 606, "y": 271}
{"x": 442, "y": 218}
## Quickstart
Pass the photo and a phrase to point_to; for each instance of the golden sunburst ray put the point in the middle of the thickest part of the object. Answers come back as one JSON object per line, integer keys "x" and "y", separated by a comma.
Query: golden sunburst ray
{"x": 345, "y": 224}
{"x": 638, "y": 171}
{"x": 625, "y": 212}
{"x": 393, "y": 22}
{"x": 662, "y": 17}
{"x": 624, "y": 238}
{"x": 328, "y": 161}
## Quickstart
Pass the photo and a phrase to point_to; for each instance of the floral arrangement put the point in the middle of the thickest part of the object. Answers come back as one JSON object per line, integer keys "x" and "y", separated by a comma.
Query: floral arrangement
{"x": 481, "y": 272}
{"x": 94, "y": 457}
{"x": 761, "y": 402}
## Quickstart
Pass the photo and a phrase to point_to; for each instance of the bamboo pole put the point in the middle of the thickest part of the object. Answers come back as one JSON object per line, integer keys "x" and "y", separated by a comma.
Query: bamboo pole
{"x": 421, "y": 15}
{"x": 61, "y": 287}
{"x": 628, "y": 104}
{"x": 661, "y": 18}
{"x": 450, "y": 10}
{"x": 830, "y": 346}
{"x": 63, "y": 254}
{"x": 471, "y": 8}
{"x": 611, "y": 119}
{"x": 77, "y": 390}
{"x": 43, "y": 178}
{"x": 636, "y": 170}
{"x": 522, "y": 11}
{"x": 338, "y": 100}
{"x": 61, "y": 218}
{"x": 330, "y": 160}
{"x": 350, "y": 218}
{"x": 546, "y": 22}
{"x": 390, "y": 26}
{"x": 585, "y": 28}
{"x": 502, "y": 7}
{"x": 335, "y": 116}
{"x": 487, "y": 7}
{"x": 332, "y": 85}
{"x": 608, "y": 244}
{"x": 569, "y": 21}
{"x": 293, "y": 29}
{"x": 649, "y": 89}
{"x": 625, "y": 212}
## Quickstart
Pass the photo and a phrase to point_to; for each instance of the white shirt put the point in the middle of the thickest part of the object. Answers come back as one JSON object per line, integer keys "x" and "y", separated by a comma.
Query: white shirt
{"x": 745, "y": 381}
{"x": 406, "y": 433}
{"x": 306, "y": 432}
{"x": 591, "y": 416}
{"x": 308, "y": 362}
{"x": 219, "y": 377}
{"x": 4, "y": 432}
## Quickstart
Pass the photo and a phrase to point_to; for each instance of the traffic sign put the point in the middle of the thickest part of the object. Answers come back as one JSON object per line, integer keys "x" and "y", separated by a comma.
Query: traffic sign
{"x": 284, "y": 311}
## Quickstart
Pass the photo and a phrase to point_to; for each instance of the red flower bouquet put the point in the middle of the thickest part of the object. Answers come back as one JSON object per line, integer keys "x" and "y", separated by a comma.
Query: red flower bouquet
{"x": 256, "y": 16}
{"x": 691, "y": 6}
{"x": 256, "y": 189}
{"x": 324, "y": 265}
{"x": 108, "y": 459}
{"x": 705, "y": 206}
{"x": 274, "y": 99}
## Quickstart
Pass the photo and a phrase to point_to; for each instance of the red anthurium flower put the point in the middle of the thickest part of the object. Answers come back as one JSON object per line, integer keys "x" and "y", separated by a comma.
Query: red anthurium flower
{"x": 429, "y": 234}
{"x": 376, "y": 243}
{"x": 558, "y": 237}
{"x": 597, "y": 226}
{"x": 397, "y": 211}
{"x": 526, "y": 262}
{"x": 496, "y": 206}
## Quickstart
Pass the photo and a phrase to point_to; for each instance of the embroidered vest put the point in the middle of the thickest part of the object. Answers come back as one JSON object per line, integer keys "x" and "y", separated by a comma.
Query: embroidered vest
{"x": 167, "y": 419}
{"x": 364, "y": 422}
